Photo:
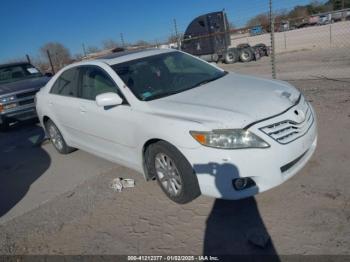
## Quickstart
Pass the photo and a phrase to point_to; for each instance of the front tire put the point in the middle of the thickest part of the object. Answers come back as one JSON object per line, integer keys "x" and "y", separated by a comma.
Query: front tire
{"x": 57, "y": 139}
{"x": 173, "y": 172}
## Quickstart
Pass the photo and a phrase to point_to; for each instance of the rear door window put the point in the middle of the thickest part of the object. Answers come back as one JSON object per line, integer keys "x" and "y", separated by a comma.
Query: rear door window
{"x": 66, "y": 84}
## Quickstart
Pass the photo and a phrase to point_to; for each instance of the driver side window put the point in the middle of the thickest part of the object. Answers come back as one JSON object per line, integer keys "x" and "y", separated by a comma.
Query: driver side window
{"x": 94, "y": 81}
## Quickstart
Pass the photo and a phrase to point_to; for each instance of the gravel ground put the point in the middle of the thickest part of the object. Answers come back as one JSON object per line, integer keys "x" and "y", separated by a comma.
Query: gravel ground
{"x": 306, "y": 64}
{"x": 309, "y": 214}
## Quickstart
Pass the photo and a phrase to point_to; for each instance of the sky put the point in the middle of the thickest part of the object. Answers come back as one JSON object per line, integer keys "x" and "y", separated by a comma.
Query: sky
{"x": 27, "y": 25}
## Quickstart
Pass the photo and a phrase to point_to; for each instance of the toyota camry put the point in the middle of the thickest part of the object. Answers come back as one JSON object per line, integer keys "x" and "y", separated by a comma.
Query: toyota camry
{"x": 190, "y": 125}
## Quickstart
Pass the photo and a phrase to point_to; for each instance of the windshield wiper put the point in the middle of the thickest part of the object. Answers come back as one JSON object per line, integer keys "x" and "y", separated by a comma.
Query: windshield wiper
{"x": 160, "y": 95}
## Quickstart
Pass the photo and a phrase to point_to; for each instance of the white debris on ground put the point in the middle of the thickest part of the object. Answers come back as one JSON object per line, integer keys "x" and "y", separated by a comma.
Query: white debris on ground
{"x": 128, "y": 182}
{"x": 119, "y": 183}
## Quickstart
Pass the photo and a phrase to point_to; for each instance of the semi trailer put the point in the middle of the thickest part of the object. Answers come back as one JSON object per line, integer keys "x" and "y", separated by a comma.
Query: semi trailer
{"x": 209, "y": 37}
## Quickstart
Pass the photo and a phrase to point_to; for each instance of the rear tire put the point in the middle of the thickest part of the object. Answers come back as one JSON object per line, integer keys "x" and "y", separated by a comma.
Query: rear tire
{"x": 231, "y": 56}
{"x": 246, "y": 55}
{"x": 57, "y": 139}
{"x": 173, "y": 172}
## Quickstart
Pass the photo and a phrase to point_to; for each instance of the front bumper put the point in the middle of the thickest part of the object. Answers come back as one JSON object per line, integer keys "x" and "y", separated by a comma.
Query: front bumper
{"x": 18, "y": 114}
{"x": 269, "y": 167}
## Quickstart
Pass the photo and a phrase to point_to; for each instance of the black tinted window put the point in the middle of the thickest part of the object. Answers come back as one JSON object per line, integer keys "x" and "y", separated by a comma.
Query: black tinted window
{"x": 66, "y": 84}
{"x": 161, "y": 75}
{"x": 12, "y": 73}
{"x": 94, "y": 82}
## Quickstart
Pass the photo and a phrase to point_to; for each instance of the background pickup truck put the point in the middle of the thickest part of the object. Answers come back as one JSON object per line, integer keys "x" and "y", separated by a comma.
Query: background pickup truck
{"x": 19, "y": 83}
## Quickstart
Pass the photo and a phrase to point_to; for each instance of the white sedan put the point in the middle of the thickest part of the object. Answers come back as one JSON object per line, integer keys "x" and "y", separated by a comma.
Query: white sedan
{"x": 175, "y": 118}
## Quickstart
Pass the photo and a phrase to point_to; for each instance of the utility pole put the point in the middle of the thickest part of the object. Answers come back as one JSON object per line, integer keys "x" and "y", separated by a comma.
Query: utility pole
{"x": 28, "y": 59}
{"x": 272, "y": 35}
{"x": 177, "y": 35}
{"x": 84, "y": 50}
{"x": 49, "y": 56}
{"x": 122, "y": 39}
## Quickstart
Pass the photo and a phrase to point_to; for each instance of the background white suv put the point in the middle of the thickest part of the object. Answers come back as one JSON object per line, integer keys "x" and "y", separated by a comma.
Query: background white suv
{"x": 189, "y": 124}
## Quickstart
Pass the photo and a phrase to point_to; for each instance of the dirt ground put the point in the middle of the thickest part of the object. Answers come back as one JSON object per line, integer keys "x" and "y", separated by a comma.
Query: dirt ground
{"x": 333, "y": 35}
{"x": 309, "y": 214}
{"x": 306, "y": 64}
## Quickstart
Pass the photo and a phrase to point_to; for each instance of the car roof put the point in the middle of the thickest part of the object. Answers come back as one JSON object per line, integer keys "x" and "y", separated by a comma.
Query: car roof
{"x": 124, "y": 56}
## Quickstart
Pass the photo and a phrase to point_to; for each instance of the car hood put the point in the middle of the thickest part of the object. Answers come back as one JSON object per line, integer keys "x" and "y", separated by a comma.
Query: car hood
{"x": 232, "y": 101}
{"x": 31, "y": 83}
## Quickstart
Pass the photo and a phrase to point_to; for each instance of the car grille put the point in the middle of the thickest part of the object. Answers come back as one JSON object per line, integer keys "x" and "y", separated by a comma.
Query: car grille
{"x": 26, "y": 94}
{"x": 287, "y": 131}
{"x": 26, "y": 102}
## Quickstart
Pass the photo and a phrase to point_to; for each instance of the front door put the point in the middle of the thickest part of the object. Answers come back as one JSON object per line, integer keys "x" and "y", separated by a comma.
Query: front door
{"x": 106, "y": 131}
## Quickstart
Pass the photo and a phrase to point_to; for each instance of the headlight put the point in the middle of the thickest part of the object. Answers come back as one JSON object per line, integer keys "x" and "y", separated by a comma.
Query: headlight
{"x": 7, "y": 99}
{"x": 229, "y": 139}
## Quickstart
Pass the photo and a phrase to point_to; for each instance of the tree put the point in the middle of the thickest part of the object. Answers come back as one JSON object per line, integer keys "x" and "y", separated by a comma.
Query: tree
{"x": 298, "y": 12}
{"x": 78, "y": 57}
{"x": 317, "y": 7}
{"x": 261, "y": 19}
{"x": 338, "y": 4}
{"x": 142, "y": 43}
{"x": 110, "y": 44}
{"x": 92, "y": 49}
{"x": 281, "y": 16}
{"x": 172, "y": 38}
{"x": 60, "y": 55}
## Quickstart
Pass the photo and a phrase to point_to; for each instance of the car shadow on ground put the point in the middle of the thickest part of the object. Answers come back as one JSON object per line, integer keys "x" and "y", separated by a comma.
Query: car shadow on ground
{"x": 234, "y": 227}
{"x": 22, "y": 162}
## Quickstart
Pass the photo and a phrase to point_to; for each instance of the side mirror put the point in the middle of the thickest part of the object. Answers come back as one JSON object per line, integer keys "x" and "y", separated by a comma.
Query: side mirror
{"x": 48, "y": 74}
{"x": 108, "y": 99}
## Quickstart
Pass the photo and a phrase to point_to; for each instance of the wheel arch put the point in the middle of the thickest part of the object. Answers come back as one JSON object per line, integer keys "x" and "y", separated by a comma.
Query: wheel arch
{"x": 45, "y": 119}
{"x": 144, "y": 149}
{"x": 146, "y": 145}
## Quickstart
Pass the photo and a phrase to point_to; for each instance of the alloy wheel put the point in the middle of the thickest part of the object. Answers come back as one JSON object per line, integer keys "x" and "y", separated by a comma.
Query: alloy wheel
{"x": 168, "y": 174}
{"x": 56, "y": 137}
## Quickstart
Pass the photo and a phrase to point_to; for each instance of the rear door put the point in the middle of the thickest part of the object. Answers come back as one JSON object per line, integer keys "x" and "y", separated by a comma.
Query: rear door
{"x": 63, "y": 101}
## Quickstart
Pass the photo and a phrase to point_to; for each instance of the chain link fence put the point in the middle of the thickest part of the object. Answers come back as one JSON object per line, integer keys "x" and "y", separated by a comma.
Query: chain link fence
{"x": 310, "y": 41}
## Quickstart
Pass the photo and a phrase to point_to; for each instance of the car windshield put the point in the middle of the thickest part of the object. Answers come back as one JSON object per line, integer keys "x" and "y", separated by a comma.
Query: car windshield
{"x": 13, "y": 73}
{"x": 162, "y": 75}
